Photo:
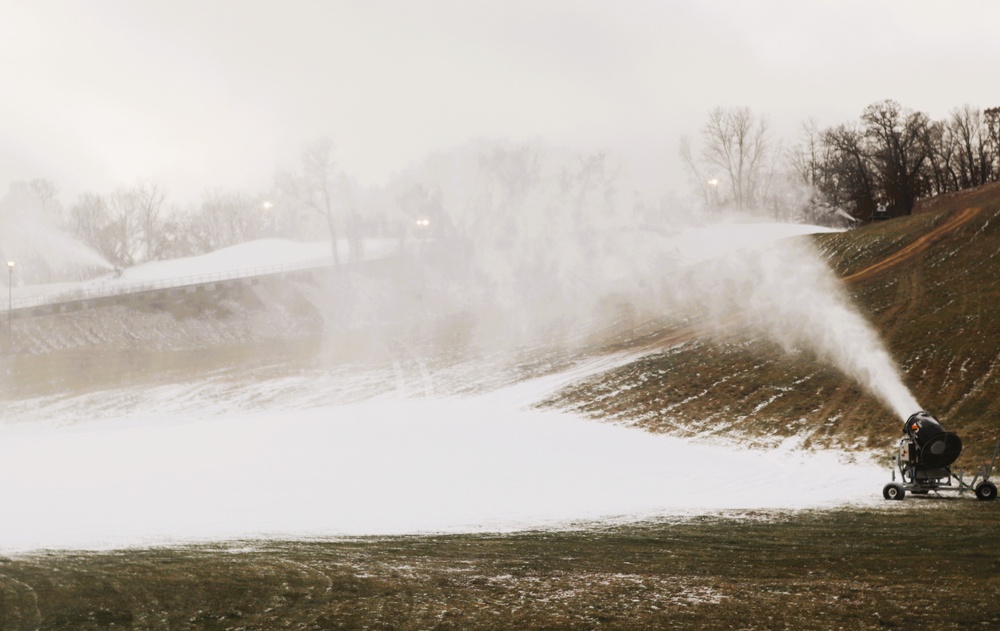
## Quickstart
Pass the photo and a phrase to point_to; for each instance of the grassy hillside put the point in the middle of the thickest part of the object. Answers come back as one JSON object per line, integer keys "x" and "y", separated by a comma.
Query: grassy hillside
{"x": 935, "y": 308}
{"x": 843, "y": 569}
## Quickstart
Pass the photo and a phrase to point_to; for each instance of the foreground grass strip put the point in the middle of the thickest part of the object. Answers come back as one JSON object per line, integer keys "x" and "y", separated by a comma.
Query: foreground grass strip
{"x": 913, "y": 564}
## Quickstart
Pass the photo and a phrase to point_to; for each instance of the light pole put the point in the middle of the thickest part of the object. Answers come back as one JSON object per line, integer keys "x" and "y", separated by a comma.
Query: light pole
{"x": 713, "y": 187}
{"x": 10, "y": 303}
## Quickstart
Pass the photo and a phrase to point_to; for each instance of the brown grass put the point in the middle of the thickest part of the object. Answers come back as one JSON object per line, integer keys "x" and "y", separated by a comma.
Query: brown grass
{"x": 912, "y": 564}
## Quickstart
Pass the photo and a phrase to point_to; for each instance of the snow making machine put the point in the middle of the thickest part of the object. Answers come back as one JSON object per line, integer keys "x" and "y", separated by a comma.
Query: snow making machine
{"x": 926, "y": 453}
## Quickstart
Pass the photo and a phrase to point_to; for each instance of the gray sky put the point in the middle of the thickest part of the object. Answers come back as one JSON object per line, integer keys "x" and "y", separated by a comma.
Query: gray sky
{"x": 218, "y": 94}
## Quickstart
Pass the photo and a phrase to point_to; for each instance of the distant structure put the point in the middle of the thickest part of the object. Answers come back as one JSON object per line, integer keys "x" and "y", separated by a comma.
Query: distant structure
{"x": 881, "y": 213}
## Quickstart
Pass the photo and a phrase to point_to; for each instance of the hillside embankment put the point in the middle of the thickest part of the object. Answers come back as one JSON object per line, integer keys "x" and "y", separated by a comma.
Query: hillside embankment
{"x": 175, "y": 336}
{"x": 928, "y": 283}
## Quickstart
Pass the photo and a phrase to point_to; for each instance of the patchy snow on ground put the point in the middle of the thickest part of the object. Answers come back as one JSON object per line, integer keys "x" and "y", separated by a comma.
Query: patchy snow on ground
{"x": 301, "y": 465}
{"x": 390, "y": 465}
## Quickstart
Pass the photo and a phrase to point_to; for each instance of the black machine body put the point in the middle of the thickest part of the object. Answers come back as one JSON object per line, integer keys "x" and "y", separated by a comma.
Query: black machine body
{"x": 926, "y": 453}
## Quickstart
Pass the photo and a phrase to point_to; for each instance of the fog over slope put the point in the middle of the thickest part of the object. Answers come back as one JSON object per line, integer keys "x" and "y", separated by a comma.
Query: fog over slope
{"x": 364, "y": 433}
{"x": 932, "y": 276}
{"x": 399, "y": 394}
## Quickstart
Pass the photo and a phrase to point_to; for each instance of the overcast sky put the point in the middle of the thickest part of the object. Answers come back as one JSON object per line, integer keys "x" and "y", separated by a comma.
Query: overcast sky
{"x": 213, "y": 94}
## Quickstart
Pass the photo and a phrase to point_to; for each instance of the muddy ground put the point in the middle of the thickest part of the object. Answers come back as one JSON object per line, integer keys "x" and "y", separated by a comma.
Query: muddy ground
{"x": 920, "y": 563}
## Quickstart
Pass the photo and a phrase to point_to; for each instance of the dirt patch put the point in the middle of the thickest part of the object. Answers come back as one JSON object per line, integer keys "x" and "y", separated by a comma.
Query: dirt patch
{"x": 924, "y": 242}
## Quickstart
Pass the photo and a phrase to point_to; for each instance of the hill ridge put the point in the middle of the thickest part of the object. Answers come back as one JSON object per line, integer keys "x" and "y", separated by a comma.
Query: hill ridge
{"x": 921, "y": 280}
{"x": 927, "y": 282}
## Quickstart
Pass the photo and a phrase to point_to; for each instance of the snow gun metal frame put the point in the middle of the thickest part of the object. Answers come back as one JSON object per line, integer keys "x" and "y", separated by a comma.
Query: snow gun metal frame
{"x": 924, "y": 460}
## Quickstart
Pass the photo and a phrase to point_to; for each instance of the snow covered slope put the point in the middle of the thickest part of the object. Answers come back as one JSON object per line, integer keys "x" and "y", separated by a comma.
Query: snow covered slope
{"x": 390, "y": 465}
{"x": 357, "y": 449}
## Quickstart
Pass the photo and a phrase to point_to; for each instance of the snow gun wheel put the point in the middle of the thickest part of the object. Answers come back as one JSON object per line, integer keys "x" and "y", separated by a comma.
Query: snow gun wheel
{"x": 893, "y": 491}
{"x": 986, "y": 491}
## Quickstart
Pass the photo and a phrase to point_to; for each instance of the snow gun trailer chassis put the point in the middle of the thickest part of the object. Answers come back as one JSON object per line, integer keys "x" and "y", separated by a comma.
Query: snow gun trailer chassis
{"x": 913, "y": 482}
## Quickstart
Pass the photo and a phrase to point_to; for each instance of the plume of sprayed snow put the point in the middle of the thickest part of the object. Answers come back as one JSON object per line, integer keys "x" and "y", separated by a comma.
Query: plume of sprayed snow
{"x": 543, "y": 245}
{"x": 30, "y": 236}
{"x": 546, "y": 238}
{"x": 786, "y": 291}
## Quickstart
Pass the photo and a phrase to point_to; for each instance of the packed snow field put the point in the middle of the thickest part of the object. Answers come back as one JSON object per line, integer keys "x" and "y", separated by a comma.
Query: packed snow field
{"x": 301, "y": 464}
{"x": 384, "y": 466}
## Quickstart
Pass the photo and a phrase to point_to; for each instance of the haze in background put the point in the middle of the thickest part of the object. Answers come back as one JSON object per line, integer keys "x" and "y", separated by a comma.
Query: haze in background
{"x": 30, "y": 236}
{"x": 785, "y": 291}
{"x": 530, "y": 245}
{"x": 205, "y": 95}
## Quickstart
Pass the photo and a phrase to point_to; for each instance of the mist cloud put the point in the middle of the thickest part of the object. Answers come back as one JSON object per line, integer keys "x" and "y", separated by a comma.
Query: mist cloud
{"x": 543, "y": 245}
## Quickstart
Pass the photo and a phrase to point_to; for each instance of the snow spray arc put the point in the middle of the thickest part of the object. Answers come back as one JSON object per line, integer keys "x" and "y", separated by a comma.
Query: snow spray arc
{"x": 552, "y": 236}
{"x": 787, "y": 292}
{"x": 44, "y": 252}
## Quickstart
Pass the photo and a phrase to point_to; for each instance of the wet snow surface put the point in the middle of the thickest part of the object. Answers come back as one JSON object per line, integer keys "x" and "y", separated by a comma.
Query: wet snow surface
{"x": 385, "y": 466}
{"x": 298, "y": 465}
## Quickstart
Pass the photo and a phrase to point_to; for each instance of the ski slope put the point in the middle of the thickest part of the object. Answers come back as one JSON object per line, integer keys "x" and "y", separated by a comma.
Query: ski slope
{"x": 385, "y": 466}
{"x": 407, "y": 462}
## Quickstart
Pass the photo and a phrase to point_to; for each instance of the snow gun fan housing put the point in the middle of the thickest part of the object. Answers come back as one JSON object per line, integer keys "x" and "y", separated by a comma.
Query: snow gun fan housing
{"x": 926, "y": 453}
{"x": 928, "y": 448}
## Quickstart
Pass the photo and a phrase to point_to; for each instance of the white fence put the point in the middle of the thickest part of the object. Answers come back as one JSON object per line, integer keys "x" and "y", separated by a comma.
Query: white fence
{"x": 122, "y": 286}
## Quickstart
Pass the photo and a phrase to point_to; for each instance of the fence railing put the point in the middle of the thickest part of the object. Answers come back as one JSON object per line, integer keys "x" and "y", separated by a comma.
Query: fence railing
{"x": 120, "y": 286}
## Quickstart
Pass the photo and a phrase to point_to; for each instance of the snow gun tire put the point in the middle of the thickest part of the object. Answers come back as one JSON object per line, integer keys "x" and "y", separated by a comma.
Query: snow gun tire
{"x": 893, "y": 491}
{"x": 986, "y": 491}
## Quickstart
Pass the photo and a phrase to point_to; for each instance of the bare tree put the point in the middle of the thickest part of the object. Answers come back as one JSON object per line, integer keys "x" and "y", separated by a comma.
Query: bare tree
{"x": 512, "y": 170}
{"x": 594, "y": 176}
{"x": 135, "y": 214}
{"x": 178, "y": 235}
{"x": 736, "y": 161}
{"x": 358, "y": 215}
{"x": 707, "y": 186}
{"x": 846, "y": 179}
{"x": 90, "y": 219}
{"x": 899, "y": 148}
{"x": 736, "y": 144}
{"x": 312, "y": 188}
{"x": 226, "y": 219}
{"x": 971, "y": 136}
{"x": 943, "y": 158}
{"x": 805, "y": 161}
{"x": 39, "y": 196}
{"x": 804, "y": 158}
{"x": 150, "y": 197}
{"x": 508, "y": 176}
{"x": 991, "y": 119}
{"x": 46, "y": 192}
{"x": 126, "y": 227}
